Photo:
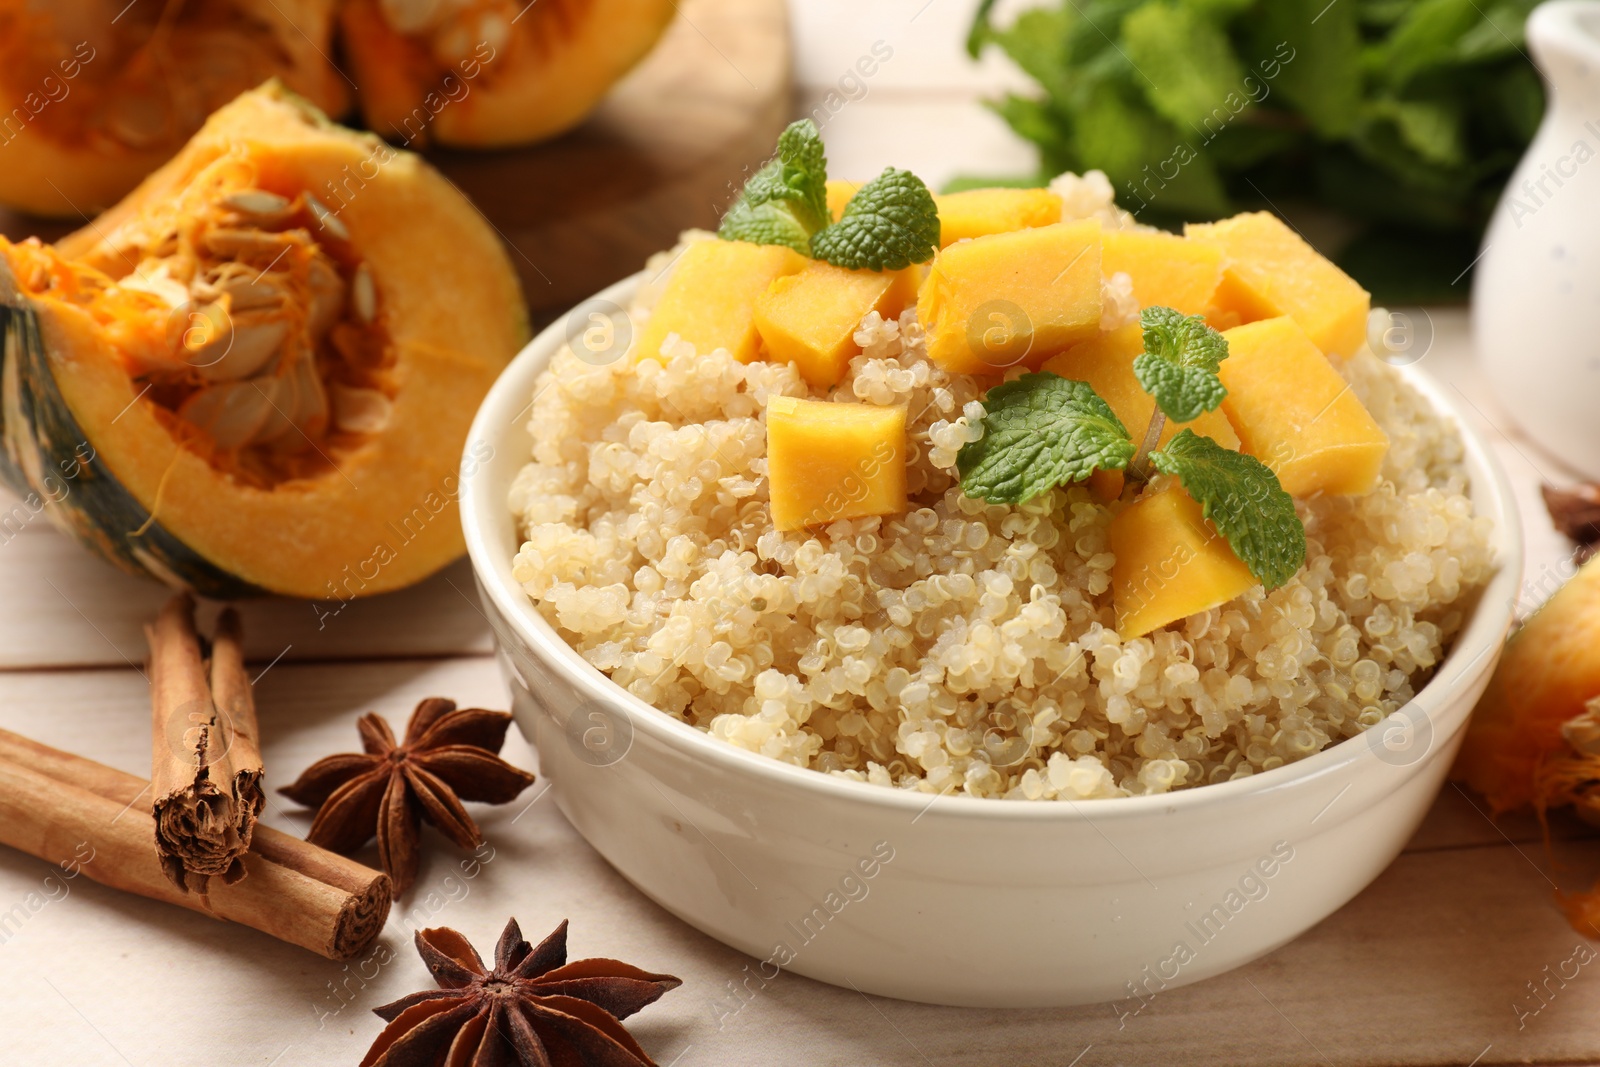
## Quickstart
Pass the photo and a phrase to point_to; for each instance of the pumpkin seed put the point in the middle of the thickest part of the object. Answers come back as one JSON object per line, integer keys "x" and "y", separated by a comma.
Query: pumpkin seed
{"x": 357, "y": 410}
{"x": 230, "y": 243}
{"x": 327, "y": 296}
{"x": 326, "y": 218}
{"x": 363, "y": 295}
{"x": 256, "y": 202}
{"x": 233, "y": 413}
{"x": 304, "y": 399}
{"x": 245, "y": 295}
{"x": 158, "y": 281}
{"x": 279, "y": 421}
{"x": 199, "y": 332}
{"x": 253, "y": 341}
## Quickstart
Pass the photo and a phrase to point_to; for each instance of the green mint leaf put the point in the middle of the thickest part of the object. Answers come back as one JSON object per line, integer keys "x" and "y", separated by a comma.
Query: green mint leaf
{"x": 1184, "y": 393}
{"x": 1314, "y": 49}
{"x": 768, "y": 223}
{"x": 805, "y": 171}
{"x": 1242, "y": 498}
{"x": 1179, "y": 364}
{"x": 981, "y": 30}
{"x": 786, "y": 201}
{"x": 1182, "y": 339}
{"x": 1197, "y": 74}
{"x": 1115, "y": 129}
{"x": 891, "y": 223}
{"x": 1041, "y": 431}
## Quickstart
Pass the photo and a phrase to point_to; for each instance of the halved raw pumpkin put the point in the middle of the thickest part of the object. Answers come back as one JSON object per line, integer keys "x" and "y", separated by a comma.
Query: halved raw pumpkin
{"x": 96, "y": 94}
{"x": 254, "y": 384}
{"x": 486, "y": 73}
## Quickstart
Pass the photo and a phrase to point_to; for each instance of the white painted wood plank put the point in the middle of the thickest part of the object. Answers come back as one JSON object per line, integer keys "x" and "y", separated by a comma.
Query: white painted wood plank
{"x": 926, "y": 40}
{"x": 65, "y": 607}
{"x": 1423, "y": 968}
{"x": 936, "y": 139}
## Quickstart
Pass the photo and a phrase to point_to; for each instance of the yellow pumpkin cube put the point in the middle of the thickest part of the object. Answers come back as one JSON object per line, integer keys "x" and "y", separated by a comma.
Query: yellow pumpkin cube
{"x": 839, "y": 194}
{"x": 810, "y": 318}
{"x": 710, "y": 300}
{"x": 1293, "y": 411}
{"x": 1171, "y": 563}
{"x": 1012, "y": 299}
{"x": 829, "y": 461}
{"x": 1268, "y": 270}
{"x": 1106, "y": 363}
{"x": 1167, "y": 270}
{"x": 979, "y": 212}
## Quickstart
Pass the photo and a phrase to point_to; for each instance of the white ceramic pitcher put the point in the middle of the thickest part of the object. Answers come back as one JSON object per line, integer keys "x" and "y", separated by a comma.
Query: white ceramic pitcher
{"x": 1536, "y": 294}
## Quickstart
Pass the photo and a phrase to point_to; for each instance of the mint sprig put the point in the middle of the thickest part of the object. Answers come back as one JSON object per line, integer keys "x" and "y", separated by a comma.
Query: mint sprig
{"x": 1041, "y": 431}
{"x": 786, "y": 201}
{"x": 891, "y": 222}
{"x": 1179, "y": 364}
{"x": 1243, "y": 499}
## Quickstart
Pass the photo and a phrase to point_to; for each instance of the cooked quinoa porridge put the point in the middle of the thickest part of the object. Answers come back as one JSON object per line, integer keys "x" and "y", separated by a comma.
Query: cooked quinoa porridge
{"x": 963, "y": 646}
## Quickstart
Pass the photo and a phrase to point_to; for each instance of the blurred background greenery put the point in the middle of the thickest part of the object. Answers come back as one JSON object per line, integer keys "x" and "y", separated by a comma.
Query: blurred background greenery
{"x": 1384, "y": 128}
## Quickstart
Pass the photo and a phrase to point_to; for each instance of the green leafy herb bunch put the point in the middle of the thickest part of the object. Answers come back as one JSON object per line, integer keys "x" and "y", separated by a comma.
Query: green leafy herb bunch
{"x": 1400, "y": 118}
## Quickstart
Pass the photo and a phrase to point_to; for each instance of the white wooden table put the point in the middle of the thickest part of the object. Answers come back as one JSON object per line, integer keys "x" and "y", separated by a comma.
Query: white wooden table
{"x": 1428, "y": 966}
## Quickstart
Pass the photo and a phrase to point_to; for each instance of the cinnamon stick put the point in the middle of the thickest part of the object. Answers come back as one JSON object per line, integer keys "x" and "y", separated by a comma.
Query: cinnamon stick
{"x": 205, "y": 749}
{"x": 62, "y": 808}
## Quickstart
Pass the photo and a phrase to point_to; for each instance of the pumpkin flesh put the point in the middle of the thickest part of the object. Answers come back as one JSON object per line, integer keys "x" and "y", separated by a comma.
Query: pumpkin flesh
{"x": 487, "y": 73}
{"x": 343, "y": 483}
{"x": 95, "y": 95}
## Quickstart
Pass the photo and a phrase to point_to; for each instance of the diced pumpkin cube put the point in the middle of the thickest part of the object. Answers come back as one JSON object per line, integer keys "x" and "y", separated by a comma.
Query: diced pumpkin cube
{"x": 829, "y": 461}
{"x": 1167, "y": 270}
{"x": 1012, "y": 298}
{"x": 1171, "y": 563}
{"x": 839, "y": 194}
{"x": 979, "y": 212}
{"x": 1106, "y": 363}
{"x": 1268, "y": 270}
{"x": 810, "y": 318}
{"x": 1293, "y": 411}
{"x": 710, "y": 300}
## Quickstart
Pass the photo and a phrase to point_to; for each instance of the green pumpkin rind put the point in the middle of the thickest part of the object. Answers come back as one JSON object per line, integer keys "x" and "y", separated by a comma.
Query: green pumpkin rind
{"x": 51, "y": 463}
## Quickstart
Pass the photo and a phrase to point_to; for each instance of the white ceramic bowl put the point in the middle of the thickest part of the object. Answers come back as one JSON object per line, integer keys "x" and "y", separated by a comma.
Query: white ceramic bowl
{"x": 957, "y": 900}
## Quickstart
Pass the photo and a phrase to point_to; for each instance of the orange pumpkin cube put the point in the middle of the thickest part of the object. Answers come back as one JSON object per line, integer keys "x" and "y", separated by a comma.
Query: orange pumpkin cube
{"x": 1011, "y": 299}
{"x": 828, "y": 461}
{"x": 810, "y": 318}
{"x": 1269, "y": 270}
{"x": 710, "y": 300}
{"x": 980, "y": 212}
{"x": 1171, "y": 563}
{"x": 1294, "y": 412}
{"x": 1167, "y": 270}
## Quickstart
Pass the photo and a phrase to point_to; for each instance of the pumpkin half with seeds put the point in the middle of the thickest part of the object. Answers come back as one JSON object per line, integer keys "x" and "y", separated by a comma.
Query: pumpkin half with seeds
{"x": 238, "y": 381}
{"x": 95, "y": 94}
{"x": 488, "y": 73}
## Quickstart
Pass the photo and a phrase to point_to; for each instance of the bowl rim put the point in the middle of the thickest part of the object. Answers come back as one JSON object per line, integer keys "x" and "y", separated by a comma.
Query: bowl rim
{"x": 483, "y": 506}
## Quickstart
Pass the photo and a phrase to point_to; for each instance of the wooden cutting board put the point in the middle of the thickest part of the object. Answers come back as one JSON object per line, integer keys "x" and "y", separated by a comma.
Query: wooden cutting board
{"x": 664, "y": 152}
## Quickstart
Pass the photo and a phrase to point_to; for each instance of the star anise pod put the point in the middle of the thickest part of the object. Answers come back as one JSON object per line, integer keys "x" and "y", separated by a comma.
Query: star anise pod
{"x": 533, "y": 1008}
{"x": 449, "y": 755}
